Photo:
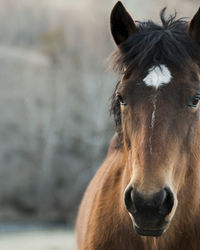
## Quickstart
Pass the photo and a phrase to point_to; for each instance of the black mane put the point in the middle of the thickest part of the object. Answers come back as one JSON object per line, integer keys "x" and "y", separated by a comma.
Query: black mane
{"x": 155, "y": 44}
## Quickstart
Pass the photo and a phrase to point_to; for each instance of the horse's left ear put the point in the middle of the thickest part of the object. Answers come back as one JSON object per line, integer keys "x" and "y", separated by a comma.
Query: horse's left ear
{"x": 194, "y": 27}
{"x": 122, "y": 24}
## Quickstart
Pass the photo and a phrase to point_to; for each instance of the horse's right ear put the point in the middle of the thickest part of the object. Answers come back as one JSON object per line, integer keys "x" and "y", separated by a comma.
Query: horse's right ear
{"x": 122, "y": 24}
{"x": 194, "y": 27}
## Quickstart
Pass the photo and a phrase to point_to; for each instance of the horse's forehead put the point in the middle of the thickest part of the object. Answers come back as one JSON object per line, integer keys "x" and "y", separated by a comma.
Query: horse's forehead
{"x": 161, "y": 77}
{"x": 158, "y": 76}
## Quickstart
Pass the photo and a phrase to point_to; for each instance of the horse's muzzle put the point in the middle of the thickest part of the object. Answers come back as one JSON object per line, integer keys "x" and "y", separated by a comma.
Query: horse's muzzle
{"x": 149, "y": 214}
{"x": 153, "y": 233}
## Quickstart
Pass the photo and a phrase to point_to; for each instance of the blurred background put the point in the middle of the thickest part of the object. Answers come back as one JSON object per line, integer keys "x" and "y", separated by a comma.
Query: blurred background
{"x": 55, "y": 125}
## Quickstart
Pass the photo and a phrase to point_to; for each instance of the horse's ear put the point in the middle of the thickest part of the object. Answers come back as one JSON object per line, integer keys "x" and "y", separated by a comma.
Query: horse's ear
{"x": 122, "y": 24}
{"x": 194, "y": 27}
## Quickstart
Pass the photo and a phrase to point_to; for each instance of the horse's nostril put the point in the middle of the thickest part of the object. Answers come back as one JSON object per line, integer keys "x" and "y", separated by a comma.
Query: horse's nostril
{"x": 128, "y": 199}
{"x": 167, "y": 203}
{"x": 161, "y": 203}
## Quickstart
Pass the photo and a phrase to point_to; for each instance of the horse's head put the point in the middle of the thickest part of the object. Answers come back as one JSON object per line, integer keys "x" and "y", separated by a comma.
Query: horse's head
{"x": 156, "y": 108}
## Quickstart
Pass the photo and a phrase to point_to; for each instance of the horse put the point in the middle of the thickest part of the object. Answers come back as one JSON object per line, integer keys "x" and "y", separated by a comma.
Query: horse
{"x": 146, "y": 194}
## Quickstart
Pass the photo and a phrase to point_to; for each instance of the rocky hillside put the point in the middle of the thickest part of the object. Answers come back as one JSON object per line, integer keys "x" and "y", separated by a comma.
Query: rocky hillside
{"x": 54, "y": 101}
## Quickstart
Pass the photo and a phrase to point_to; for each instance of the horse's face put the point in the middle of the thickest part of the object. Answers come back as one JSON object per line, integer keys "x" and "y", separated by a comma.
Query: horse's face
{"x": 161, "y": 130}
{"x": 160, "y": 125}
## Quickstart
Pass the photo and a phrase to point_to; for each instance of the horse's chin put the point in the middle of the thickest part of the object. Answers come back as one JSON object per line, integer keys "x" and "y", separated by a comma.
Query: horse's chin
{"x": 151, "y": 230}
{"x": 151, "y": 233}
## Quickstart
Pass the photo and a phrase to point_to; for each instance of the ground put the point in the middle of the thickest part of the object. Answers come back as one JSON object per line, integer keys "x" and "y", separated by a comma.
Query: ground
{"x": 58, "y": 239}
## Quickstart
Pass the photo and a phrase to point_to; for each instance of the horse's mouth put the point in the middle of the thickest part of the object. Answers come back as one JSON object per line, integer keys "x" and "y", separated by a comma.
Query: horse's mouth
{"x": 152, "y": 233}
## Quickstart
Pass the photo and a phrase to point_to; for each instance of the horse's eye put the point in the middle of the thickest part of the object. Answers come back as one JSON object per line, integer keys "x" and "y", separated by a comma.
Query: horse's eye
{"x": 193, "y": 102}
{"x": 121, "y": 99}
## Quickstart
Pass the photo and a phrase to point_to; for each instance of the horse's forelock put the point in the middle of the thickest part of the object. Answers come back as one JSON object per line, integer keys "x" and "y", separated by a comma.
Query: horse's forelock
{"x": 154, "y": 44}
